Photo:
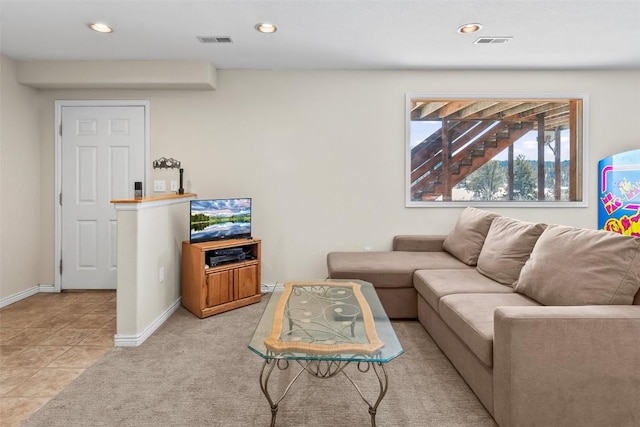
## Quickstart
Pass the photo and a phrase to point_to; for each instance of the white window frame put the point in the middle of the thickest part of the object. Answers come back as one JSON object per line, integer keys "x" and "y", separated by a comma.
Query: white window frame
{"x": 504, "y": 203}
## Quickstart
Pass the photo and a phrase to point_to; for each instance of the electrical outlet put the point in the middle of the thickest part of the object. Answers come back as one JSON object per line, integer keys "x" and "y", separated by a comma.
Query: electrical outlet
{"x": 159, "y": 186}
{"x": 367, "y": 248}
{"x": 174, "y": 185}
{"x": 161, "y": 274}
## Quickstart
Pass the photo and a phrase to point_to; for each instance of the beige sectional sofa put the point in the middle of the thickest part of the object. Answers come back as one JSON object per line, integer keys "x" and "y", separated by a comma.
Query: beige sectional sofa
{"x": 542, "y": 322}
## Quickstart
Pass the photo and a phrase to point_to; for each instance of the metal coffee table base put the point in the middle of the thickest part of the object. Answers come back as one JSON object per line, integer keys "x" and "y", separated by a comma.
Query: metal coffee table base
{"x": 322, "y": 369}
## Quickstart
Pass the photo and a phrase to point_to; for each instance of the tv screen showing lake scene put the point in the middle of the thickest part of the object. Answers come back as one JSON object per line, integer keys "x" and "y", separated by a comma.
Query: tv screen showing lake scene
{"x": 218, "y": 219}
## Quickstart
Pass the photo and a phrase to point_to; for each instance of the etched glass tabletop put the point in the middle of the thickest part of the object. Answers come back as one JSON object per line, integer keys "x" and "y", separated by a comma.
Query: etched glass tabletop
{"x": 323, "y": 327}
{"x": 325, "y": 320}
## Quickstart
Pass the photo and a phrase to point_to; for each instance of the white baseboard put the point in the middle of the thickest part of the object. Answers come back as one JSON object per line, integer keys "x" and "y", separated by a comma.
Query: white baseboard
{"x": 47, "y": 288}
{"x": 19, "y": 296}
{"x": 267, "y": 287}
{"x": 120, "y": 340}
{"x": 26, "y": 294}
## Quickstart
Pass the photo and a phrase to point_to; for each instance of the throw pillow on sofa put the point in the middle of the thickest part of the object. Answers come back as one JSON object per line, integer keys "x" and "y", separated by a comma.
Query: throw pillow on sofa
{"x": 572, "y": 266}
{"x": 467, "y": 237}
{"x": 507, "y": 247}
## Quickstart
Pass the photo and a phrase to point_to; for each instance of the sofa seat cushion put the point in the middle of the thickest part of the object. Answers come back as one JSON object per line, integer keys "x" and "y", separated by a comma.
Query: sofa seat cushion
{"x": 434, "y": 284}
{"x": 470, "y": 316}
{"x": 387, "y": 269}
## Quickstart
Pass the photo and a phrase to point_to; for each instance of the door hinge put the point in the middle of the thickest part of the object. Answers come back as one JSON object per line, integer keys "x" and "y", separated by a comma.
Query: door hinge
{"x": 60, "y": 129}
{"x": 60, "y": 199}
{"x": 60, "y": 266}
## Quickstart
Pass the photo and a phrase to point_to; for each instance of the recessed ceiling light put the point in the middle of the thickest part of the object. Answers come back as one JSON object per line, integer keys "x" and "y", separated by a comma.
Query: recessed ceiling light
{"x": 266, "y": 28}
{"x": 100, "y": 28}
{"x": 469, "y": 28}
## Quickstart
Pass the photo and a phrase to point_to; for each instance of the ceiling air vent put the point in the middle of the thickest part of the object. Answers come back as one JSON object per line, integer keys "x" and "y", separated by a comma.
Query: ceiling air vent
{"x": 492, "y": 40}
{"x": 214, "y": 39}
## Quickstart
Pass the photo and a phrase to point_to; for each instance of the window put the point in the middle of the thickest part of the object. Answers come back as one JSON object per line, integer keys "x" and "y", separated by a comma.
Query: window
{"x": 522, "y": 151}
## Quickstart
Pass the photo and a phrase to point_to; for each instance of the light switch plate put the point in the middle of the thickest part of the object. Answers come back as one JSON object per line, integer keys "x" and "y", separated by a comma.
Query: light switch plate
{"x": 159, "y": 186}
{"x": 174, "y": 185}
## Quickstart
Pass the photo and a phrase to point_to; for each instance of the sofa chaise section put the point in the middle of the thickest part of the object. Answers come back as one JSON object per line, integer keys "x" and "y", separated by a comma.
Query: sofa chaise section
{"x": 392, "y": 272}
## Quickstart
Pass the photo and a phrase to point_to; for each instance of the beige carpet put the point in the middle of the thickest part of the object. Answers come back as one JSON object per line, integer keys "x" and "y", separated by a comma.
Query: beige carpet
{"x": 199, "y": 372}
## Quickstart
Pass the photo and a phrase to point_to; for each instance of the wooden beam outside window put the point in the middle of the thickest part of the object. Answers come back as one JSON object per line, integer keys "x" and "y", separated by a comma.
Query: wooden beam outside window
{"x": 541, "y": 156}
{"x": 446, "y": 163}
{"x": 558, "y": 166}
{"x": 573, "y": 150}
{"x": 510, "y": 171}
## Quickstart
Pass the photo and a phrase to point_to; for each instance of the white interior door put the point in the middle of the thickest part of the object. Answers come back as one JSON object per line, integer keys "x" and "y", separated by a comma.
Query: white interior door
{"x": 102, "y": 155}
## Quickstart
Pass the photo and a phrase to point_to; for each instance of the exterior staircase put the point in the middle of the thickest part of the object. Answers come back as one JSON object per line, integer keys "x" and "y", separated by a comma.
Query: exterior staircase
{"x": 468, "y": 144}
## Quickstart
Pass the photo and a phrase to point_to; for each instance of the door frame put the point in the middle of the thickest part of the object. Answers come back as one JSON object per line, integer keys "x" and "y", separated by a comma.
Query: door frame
{"x": 59, "y": 104}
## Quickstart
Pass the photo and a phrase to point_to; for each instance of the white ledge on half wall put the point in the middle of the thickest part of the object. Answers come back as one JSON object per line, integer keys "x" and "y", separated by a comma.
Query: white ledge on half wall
{"x": 151, "y": 202}
{"x": 117, "y": 75}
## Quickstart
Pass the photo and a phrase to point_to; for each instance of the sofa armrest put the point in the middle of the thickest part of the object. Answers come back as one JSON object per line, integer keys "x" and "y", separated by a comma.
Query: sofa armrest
{"x": 567, "y": 366}
{"x": 419, "y": 243}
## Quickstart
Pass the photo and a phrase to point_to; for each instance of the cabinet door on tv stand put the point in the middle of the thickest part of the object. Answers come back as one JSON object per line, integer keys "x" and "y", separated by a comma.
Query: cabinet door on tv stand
{"x": 245, "y": 281}
{"x": 219, "y": 288}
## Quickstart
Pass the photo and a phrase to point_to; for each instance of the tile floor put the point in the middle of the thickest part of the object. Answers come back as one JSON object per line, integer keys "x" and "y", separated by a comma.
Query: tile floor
{"x": 46, "y": 341}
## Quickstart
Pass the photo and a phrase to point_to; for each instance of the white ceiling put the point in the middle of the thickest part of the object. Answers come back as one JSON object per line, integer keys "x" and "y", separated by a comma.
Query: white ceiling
{"x": 330, "y": 34}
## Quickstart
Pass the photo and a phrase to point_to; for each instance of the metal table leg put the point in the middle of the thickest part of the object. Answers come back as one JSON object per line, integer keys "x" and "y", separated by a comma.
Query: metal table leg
{"x": 265, "y": 374}
{"x": 323, "y": 369}
{"x": 383, "y": 382}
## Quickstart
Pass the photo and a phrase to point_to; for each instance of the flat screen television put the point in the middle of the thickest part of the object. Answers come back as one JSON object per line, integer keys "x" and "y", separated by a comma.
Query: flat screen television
{"x": 219, "y": 219}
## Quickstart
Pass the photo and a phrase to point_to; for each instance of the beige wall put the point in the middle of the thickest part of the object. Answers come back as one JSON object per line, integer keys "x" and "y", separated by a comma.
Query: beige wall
{"x": 20, "y": 198}
{"x": 149, "y": 238}
{"x": 322, "y": 153}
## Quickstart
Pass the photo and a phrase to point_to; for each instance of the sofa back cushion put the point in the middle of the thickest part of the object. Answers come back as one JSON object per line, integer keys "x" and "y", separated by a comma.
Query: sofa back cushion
{"x": 571, "y": 266}
{"x": 467, "y": 237}
{"x": 507, "y": 247}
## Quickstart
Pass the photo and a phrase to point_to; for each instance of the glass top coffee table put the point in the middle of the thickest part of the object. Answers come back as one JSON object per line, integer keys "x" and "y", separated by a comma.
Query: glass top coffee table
{"x": 322, "y": 327}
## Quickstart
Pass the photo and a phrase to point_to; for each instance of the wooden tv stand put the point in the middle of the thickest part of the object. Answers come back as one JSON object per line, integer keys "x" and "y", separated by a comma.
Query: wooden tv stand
{"x": 208, "y": 290}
